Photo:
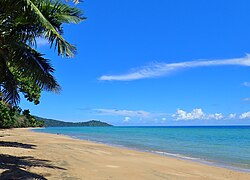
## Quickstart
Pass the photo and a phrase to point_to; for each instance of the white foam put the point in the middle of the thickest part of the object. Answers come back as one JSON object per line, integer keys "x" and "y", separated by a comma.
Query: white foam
{"x": 175, "y": 155}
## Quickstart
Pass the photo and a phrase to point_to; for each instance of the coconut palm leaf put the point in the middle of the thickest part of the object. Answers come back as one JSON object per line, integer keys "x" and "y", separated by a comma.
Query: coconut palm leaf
{"x": 50, "y": 32}
{"x": 32, "y": 64}
{"x": 9, "y": 85}
{"x": 44, "y": 20}
{"x": 21, "y": 22}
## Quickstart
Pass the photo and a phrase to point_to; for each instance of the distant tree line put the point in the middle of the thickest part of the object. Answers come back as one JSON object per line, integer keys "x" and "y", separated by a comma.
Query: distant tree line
{"x": 57, "y": 123}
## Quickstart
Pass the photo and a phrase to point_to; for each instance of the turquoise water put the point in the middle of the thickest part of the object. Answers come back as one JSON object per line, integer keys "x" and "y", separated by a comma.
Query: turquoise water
{"x": 224, "y": 146}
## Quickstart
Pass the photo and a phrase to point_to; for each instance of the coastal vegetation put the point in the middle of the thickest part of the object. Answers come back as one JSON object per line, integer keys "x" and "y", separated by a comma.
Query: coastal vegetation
{"x": 56, "y": 123}
{"x": 15, "y": 117}
{"x": 23, "y": 69}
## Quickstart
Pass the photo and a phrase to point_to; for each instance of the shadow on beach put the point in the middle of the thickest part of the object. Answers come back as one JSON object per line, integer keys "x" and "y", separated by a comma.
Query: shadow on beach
{"x": 17, "y": 145}
{"x": 16, "y": 167}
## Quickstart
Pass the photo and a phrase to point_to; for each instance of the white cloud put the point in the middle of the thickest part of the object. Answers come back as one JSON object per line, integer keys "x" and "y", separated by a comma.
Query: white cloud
{"x": 231, "y": 116}
{"x": 245, "y": 115}
{"x": 246, "y": 99}
{"x": 216, "y": 116}
{"x": 126, "y": 119}
{"x": 128, "y": 113}
{"x": 195, "y": 114}
{"x": 247, "y": 84}
{"x": 179, "y": 115}
{"x": 163, "y": 69}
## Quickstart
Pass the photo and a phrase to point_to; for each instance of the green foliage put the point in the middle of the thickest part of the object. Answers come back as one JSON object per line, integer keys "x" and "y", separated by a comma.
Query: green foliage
{"x": 30, "y": 89}
{"x": 12, "y": 117}
{"x": 7, "y": 116}
{"x": 56, "y": 123}
{"x": 30, "y": 121}
{"x": 22, "y": 68}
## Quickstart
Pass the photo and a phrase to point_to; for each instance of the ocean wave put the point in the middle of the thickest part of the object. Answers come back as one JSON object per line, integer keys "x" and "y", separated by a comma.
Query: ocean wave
{"x": 176, "y": 155}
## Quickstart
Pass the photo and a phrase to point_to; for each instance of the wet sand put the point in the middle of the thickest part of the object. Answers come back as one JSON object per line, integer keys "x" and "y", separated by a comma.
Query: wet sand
{"x": 27, "y": 154}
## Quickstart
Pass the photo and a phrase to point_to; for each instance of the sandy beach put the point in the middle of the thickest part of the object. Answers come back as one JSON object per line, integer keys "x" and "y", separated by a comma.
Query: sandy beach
{"x": 25, "y": 155}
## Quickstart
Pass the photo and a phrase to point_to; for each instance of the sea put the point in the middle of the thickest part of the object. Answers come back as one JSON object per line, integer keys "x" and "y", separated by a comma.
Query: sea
{"x": 224, "y": 146}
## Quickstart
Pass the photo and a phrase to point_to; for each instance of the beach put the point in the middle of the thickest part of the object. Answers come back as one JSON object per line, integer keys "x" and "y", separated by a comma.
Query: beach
{"x": 28, "y": 154}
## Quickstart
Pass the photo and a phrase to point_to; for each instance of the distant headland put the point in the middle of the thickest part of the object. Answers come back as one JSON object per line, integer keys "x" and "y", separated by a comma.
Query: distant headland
{"x": 57, "y": 123}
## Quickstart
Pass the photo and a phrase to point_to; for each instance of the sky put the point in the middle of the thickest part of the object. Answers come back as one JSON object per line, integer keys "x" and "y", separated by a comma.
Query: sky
{"x": 161, "y": 63}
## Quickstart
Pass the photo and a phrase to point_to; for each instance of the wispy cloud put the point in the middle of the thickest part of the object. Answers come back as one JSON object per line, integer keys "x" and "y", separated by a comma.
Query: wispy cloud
{"x": 163, "y": 69}
{"x": 232, "y": 116}
{"x": 246, "y": 99}
{"x": 247, "y": 84}
{"x": 128, "y": 113}
{"x": 179, "y": 115}
{"x": 126, "y": 119}
{"x": 163, "y": 119}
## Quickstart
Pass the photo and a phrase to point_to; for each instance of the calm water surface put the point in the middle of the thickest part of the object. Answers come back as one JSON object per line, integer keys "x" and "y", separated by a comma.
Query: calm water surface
{"x": 224, "y": 146}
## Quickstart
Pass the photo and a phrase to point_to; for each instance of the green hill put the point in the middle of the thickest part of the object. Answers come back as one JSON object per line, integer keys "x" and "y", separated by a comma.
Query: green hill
{"x": 57, "y": 123}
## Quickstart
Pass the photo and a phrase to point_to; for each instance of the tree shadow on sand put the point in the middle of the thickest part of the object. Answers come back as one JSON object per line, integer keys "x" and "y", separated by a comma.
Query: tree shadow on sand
{"x": 17, "y": 145}
{"x": 16, "y": 167}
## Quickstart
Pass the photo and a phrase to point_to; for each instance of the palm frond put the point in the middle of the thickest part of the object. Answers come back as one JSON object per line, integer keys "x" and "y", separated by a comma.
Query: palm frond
{"x": 8, "y": 84}
{"x": 64, "y": 48}
{"x": 64, "y": 13}
{"x": 21, "y": 22}
{"x": 32, "y": 64}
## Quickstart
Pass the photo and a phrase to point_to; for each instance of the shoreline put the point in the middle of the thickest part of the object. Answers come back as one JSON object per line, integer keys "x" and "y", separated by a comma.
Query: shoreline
{"x": 166, "y": 154}
{"x": 63, "y": 157}
{"x": 160, "y": 153}
{"x": 171, "y": 155}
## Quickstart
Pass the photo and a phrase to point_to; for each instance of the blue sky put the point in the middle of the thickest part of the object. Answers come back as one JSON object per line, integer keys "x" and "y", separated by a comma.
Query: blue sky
{"x": 164, "y": 62}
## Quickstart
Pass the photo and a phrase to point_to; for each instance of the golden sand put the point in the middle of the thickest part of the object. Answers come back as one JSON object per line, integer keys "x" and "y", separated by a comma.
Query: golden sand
{"x": 25, "y": 154}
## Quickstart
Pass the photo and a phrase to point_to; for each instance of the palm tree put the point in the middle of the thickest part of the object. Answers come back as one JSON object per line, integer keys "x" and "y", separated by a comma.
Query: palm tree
{"x": 21, "y": 23}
